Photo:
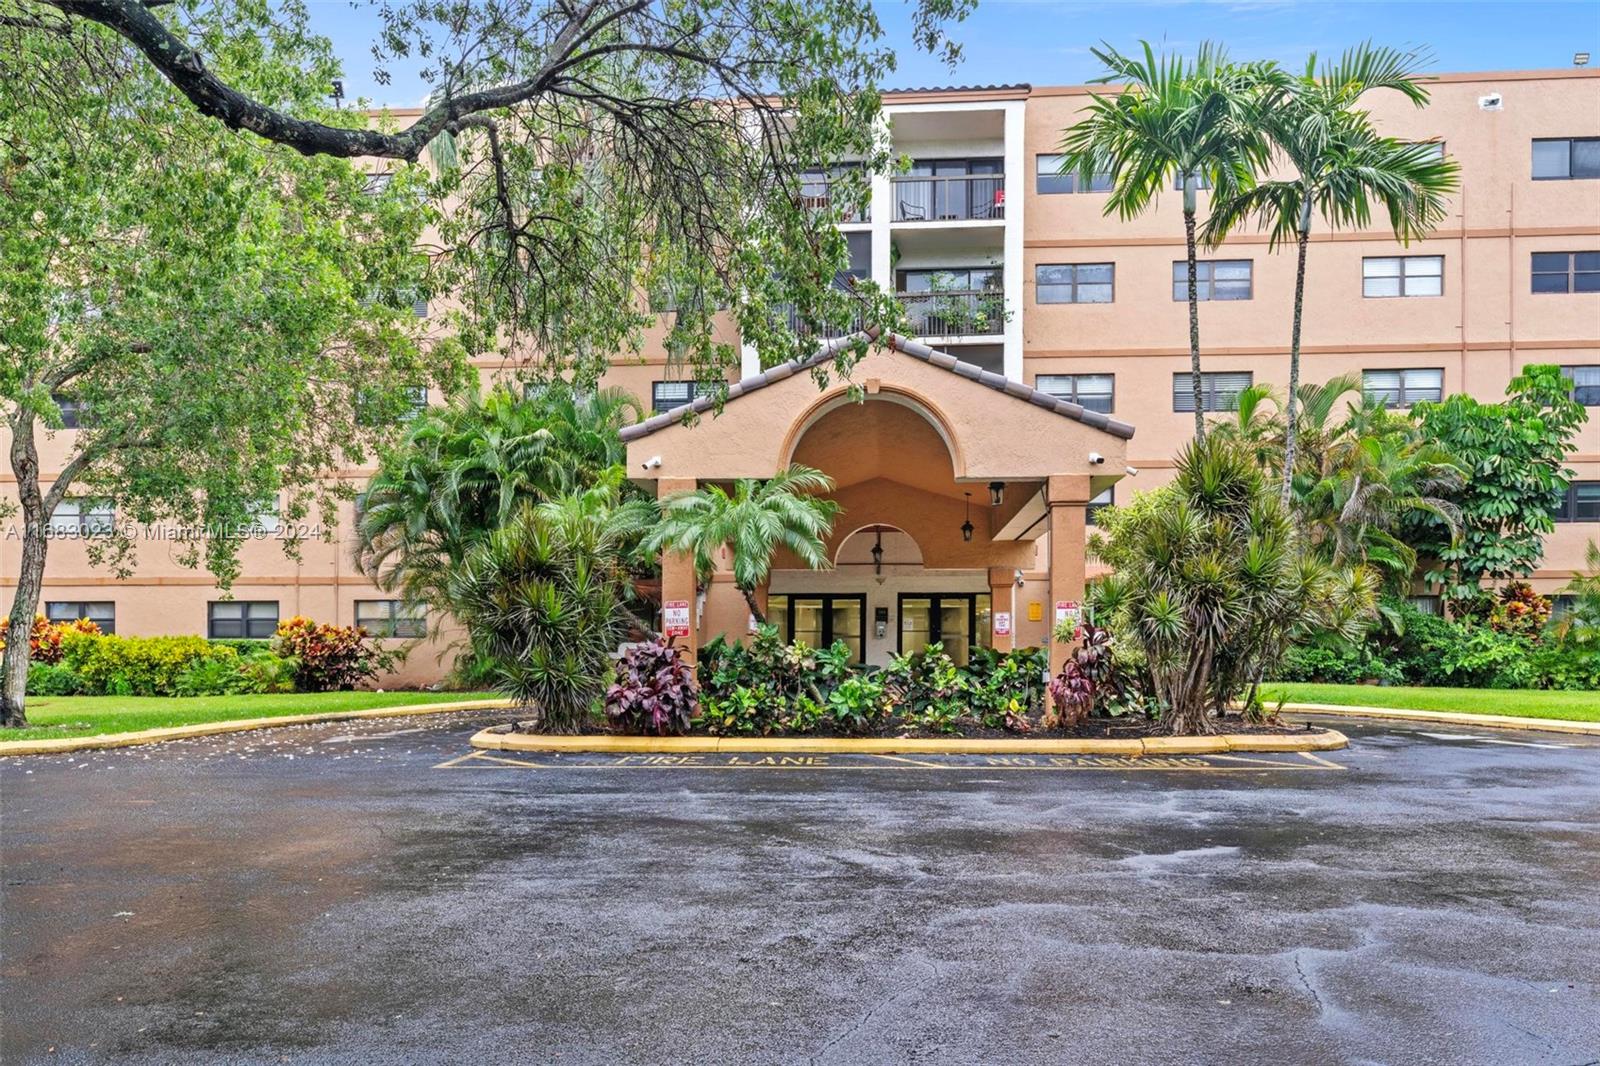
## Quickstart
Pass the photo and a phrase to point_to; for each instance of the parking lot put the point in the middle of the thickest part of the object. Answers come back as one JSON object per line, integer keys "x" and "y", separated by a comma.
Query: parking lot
{"x": 379, "y": 892}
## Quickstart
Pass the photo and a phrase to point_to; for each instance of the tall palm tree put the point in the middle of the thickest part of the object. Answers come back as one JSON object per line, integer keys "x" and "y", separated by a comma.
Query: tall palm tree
{"x": 1339, "y": 166}
{"x": 1174, "y": 121}
{"x": 753, "y": 522}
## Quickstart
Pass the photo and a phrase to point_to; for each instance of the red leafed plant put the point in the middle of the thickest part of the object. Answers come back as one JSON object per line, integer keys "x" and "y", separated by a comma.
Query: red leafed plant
{"x": 654, "y": 691}
{"x": 1520, "y": 611}
{"x": 330, "y": 657}
{"x": 1088, "y": 674}
{"x": 44, "y": 642}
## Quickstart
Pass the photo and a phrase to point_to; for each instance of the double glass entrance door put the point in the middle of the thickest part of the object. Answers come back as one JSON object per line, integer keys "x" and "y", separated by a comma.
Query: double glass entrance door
{"x": 821, "y": 620}
{"x": 958, "y": 621}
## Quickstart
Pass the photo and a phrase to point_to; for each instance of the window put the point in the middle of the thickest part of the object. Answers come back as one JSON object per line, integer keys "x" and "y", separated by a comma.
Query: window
{"x": 1402, "y": 388}
{"x": 263, "y": 516}
{"x": 1074, "y": 283}
{"x": 1092, "y": 392}
{"x": 860, "y": 268}
{"x": 72, "y": 411}
{"x": 83, "y": 518}
{"x": 1566, "y": 271}
{"x": 1585, "y": 384}
{"x": 1404, "y": 275}
{"x": 1214, "y": 279}
{"x": 377, "y": 184}
{"x": 1100, "y": 502}
{"x": 240, "y": 619}
{"x": 816, "y": 191}
{"x": 419, "y": 307}
{"x": 951, "y": 279}
{"x": 1433, "y": 605}
{"x": 102, "y": 613}
{"x": 1581, "y": 503}
{"x": 1561, "y": 158}
{"x": 1219, "y": 390}
{"x": 419, "y": 400}
{"x": 821, "y": 620}
{"x": 391, "y": 618}
{"x": 1435, "y": 148}
{"x": 1048, "y": 178}
{"x": 665, "y": 395}
{"x": 1202, "y": 181}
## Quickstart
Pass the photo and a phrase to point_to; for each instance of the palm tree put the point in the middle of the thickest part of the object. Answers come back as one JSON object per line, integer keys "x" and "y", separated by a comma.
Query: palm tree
{"x": 757, "y": 519}
{"x": 1339, "y": 166}
{"x": 1174, "y": 121}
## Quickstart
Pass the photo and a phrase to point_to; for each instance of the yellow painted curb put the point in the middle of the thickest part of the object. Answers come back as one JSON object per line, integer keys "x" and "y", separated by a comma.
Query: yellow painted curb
{"x": 63, "y": 745}
{"x": 490, "y": 740}
{"x": 1487, "y": 721}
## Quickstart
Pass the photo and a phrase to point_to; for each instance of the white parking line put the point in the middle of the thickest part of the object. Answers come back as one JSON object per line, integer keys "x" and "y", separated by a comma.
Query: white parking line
{"x": 1491, "y": 740}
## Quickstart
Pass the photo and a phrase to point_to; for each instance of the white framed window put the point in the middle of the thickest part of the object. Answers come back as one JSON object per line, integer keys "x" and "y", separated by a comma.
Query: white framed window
{"x": 72, "y": 410}
{"x": 1092, "y": 392}
{"x": 1402, "y": 275}
{"x": 241, "y": 619}
{"x": 391, "y": 618}
{"x": 1214, "y": 279}
{"x": 83, "y": 518}
{"x": 102, "y": 613}
{"x": 1402, "y": 388}
{"x": 1100, "y": 502}
{"x": 1564, "y": 272}
{"x": 1435, "y": 148}
{"x": 1585, "y": 384}
{"x": 264, "y": 515}
{"x": 1074, "y": 283}
{"x": 665, "y": 395}
{"x": 1566, "y": 158}
{"x": 1219, "y": 390}
{"x": 1202, "y": 181}
{"x": 1049, "y": 180}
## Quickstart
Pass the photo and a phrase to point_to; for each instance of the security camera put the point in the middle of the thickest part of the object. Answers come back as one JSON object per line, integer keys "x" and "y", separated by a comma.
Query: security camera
{"x": 1095, "y": 458}
{"x": 1133, "y": 471}
{"x": 652, "y": 463}
{"x": 1019, "y": 578}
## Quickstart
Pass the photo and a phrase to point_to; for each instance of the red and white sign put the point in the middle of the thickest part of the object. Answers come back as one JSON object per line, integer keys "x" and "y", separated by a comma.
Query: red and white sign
{"x": 675, "y": 618}
{"x": 1068, "y": 611}
{"x": 1002, "y": 623}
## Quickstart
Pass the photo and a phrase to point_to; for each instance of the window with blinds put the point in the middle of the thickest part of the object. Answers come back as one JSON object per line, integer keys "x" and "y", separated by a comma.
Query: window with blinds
{"x": 1092, "y": 392}
{"x": 665, "y": 395}
{"x": 1585, "y": 384}
{"x": 102, "y": 613}
{"x": 1214, "y": 279}
{"x": 1219, "y": 390}
{"x": 1402, "y": 275}
{"x": 1402, "y": 388}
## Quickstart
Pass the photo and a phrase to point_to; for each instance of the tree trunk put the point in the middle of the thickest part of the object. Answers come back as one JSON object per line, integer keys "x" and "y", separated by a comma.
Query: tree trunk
{"x": 1194, "y": 314}
{"x": 30, "y": 574}
{"x": 755, "y": 608}
{"x": 1290, "y": 429}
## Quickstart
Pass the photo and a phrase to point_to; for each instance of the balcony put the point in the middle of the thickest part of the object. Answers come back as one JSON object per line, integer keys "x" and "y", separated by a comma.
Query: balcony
{"x": 956, "y": 198}
{"x": 817, "y": 194}
{"x": 954, "y": 313}
{"x": 800, "y": 329}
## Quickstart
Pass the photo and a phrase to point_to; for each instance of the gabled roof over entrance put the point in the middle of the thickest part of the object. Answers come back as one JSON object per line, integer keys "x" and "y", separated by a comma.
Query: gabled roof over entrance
{"x": 932, "y": 356}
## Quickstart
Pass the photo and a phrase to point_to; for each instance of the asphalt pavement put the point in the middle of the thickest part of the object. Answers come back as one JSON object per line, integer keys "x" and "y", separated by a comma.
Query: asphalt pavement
{"x": 375, "y": 892}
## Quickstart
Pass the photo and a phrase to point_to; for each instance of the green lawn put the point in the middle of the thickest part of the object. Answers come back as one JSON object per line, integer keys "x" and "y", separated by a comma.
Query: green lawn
{"x": 83, "y": 716}
{"x": 1523, "y": 703}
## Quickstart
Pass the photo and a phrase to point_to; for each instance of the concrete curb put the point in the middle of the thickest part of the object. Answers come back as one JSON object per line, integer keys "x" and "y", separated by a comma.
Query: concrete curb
{"x": 63, "y": 745}
{"x": 1487, "y": 721}
{"x": 1327, "y": 740}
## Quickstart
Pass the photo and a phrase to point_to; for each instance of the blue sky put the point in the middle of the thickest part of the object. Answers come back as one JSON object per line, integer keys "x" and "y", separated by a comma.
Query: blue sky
{"x": 1046, "y": 42}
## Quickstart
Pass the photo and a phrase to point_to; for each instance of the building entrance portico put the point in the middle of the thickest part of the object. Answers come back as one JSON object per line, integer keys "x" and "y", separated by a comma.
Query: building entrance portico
{"x": 962, "y": 499}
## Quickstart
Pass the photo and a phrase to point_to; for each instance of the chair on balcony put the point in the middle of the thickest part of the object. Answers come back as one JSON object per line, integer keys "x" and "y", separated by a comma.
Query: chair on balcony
{"x": 910, "y": 212}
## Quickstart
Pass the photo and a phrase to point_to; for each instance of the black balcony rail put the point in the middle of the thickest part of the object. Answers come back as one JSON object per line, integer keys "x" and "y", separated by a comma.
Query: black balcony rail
{"x": 956, "y": 198}
{"x": 801, "y": 329}
{"x": 817, "y": 194}
{"x": 954, "y": 313}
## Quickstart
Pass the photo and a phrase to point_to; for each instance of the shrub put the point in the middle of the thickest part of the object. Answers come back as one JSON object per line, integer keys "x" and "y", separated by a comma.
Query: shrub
{"x": 44, "y": 639}
{"x": 927, "y": 688}
{"x": 1004, "y": 687}
{"x": 654, "y": 691}
{"x": 53, "y": 679}
{"x": 331, "y": 658}
{"x": 1519, "y": 611}
{"x": 245, "y": 646}
{"x": 211, "y": 677}
{"x": 1566, "y": 665}
{"x": 858, "y": 705}
{"x": 1337, "y": 662}
{"x": 740, "y": 709}
{"x": 135, "y": 666}
{"x": 232, "y": 674}
{"x": 1483, "y": 658}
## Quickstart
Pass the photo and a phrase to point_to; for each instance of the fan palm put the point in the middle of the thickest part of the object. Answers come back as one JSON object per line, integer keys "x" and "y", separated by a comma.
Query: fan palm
{"x": 1174, "y": 121}
{"x": 752, "y": 523}
{"x": 1340, "y": 168}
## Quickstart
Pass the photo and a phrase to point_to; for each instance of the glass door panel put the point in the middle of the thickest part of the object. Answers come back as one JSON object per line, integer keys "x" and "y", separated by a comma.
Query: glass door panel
{"x": 847, "y": 626}
{"x": 954, "y": 616}
{"x": 807, "y": 613}
{"x": 778, "y": 615}
{"x": 984, "y": 621}
{"x": 916, "y": 624}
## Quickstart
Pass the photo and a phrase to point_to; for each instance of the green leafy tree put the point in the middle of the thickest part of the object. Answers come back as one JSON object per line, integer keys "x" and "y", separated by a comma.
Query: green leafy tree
{"x": 1213, "y": 582}
{"x": 1338, "y": 167}
{"x": 213, "y": 308}
{"x": 751, "y": 523}
{"x": 585, "y": 150}
{"x": 1514, "y": 454}
{"x": 1193, "y": 123}
{"x": 464, "y": 470}
{"x": 544, "y": 599}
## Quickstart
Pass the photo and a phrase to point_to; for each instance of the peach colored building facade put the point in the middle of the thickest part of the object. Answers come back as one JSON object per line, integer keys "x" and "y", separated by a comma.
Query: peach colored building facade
{"x": 1006, "y": 272}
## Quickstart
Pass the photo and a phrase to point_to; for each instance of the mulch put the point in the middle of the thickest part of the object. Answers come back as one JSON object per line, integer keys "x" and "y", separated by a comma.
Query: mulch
{"x": 1121, "y": 728}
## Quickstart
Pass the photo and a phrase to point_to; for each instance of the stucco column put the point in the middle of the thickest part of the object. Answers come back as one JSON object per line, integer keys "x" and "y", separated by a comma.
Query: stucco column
{"x": 677, "y": 576}
{"x": 1003, "y": 600}
{"x": 1067, "y": 495}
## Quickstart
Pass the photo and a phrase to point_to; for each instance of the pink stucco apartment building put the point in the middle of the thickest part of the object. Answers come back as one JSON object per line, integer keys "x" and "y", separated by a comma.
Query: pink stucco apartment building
{"x": 1042, "y": 298}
